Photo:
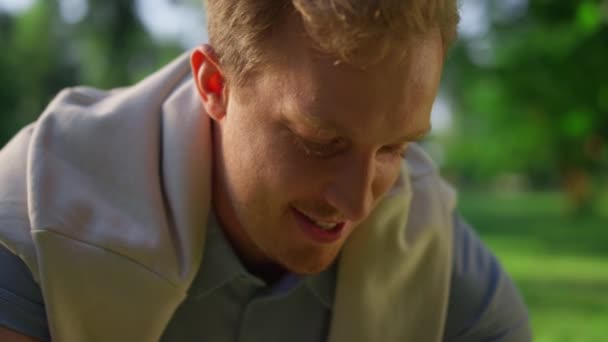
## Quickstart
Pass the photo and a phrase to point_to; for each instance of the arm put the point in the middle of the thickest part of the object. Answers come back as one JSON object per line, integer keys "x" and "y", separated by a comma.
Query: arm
{"x": 484, "y": 302}
{"x": 22, "y": 314}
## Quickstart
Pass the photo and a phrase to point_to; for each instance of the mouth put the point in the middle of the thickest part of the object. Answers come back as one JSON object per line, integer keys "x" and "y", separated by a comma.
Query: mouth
{"x": 319, "y": 230}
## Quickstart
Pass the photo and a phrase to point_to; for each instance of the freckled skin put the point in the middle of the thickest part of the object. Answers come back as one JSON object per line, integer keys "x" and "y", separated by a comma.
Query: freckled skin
{"x": 263, "y": 168}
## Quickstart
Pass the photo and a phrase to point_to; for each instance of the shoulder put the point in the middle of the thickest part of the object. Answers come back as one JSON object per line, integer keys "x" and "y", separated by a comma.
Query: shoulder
{"x": 432, "y": 202}
{"x": 426, "y": 183}
{"x": 14, "y": 219}
{"x": 22, "y": 307}
{"x": 484, "y": 304}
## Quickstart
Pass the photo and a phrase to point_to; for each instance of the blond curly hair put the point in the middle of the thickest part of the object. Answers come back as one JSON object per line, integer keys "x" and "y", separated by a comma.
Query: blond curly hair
{"x": 339, "y": 28}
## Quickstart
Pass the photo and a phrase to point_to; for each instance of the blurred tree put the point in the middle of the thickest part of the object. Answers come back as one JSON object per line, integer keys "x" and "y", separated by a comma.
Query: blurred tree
{"x": 113, "y": 46}
{"x": 30, "y": 69}
{"x": 531, "y": 97}
{"x": 107, "y": 47}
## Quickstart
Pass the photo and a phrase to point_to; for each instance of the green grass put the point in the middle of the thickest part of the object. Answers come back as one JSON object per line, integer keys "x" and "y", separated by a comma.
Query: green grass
{"x": 560, "y": 263}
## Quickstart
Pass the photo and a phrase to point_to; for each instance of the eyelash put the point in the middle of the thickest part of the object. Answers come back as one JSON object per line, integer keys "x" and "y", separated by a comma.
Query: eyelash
{"x": 397, "y": 151}
{"x": 316, "y": 149}
{"x": 322, "y": 150}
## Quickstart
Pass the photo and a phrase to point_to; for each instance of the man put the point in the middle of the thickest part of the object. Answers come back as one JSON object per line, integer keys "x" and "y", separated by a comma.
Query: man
{"x": 275, "y": 194}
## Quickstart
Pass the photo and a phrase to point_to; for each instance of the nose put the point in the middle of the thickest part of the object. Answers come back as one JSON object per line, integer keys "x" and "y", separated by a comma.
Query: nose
{"x": 350, "y": 190}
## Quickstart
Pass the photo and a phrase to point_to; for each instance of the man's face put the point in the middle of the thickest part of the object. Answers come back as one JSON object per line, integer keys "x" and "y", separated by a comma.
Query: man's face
{"x": 308, "y": 147}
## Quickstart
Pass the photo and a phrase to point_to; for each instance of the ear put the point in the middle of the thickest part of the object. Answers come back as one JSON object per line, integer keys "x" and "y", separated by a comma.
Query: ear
{"x": 210, "y": 81}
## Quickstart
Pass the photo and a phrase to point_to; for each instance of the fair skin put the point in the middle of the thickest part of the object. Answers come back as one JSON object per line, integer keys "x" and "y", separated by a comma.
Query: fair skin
{"x": 307, "y": 141}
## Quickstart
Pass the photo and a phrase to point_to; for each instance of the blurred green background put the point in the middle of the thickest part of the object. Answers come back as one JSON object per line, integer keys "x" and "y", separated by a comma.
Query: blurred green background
{"x": 520, "y": 125}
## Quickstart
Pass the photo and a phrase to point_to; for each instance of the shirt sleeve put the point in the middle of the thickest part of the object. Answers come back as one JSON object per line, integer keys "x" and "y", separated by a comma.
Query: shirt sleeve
{"x": 484, "y": 303}
{"x": 21, "y": 304}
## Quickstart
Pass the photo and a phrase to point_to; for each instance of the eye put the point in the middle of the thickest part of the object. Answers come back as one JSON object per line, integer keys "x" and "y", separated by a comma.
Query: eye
{"x": 319, "y": 149}
{"x": 395, "y": 151}
{"x": 316, "y": 148}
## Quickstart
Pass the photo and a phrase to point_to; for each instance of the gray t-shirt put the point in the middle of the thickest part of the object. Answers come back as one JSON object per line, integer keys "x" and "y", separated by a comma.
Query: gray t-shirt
{"x": 226, "y": 303}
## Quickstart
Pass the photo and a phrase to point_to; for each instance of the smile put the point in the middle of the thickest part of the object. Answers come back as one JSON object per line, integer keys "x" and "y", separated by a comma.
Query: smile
{"x": 325, "y": 225}
{"x": 319, "y": 230}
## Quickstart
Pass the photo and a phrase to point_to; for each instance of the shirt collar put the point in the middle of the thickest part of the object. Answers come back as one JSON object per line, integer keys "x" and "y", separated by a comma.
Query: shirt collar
{"x": 221, "y": 265}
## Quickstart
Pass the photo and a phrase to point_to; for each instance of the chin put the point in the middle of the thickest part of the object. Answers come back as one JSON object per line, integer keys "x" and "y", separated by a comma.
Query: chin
{"x": 309, "y": 266}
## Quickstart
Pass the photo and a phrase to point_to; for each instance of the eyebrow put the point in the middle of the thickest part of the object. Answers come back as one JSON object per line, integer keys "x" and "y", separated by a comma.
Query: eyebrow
{"x": 329, "y": 125}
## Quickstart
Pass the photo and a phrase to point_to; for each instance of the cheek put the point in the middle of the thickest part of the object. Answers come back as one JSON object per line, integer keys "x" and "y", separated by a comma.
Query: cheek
{"x": 295, "y": 176}
{"x": 242, "y": 152}
{"x": 268, "y": 167}
{"x": 385, "y": 177}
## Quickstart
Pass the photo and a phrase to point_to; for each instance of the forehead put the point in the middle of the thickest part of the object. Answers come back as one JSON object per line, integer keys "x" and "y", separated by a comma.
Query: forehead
{"x": 392, "y": 97}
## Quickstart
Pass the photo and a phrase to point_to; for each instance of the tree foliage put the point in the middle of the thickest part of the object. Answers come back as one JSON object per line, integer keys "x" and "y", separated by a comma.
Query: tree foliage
{"x": 42, "y": 54}
{"x": 531, "y": 97}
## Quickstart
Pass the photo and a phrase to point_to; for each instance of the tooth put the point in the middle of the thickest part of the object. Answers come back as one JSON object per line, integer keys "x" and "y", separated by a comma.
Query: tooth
{"x": 325, "y": 225}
